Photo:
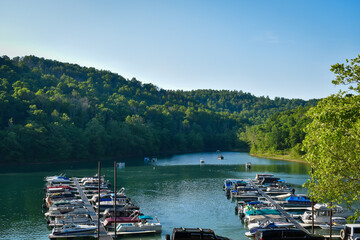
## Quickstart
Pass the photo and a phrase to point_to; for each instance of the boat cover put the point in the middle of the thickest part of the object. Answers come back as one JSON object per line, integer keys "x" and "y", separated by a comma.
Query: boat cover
{"x": 254, "y": 203}
{"x": 262, "y": 212}
{"x": 143, "y": 217}
{"x": 297, "y": 199}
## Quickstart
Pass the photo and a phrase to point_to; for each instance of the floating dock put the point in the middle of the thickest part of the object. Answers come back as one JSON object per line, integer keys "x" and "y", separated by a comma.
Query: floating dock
{"x": 103, "y": 233}
{"x": 278, "y": 207}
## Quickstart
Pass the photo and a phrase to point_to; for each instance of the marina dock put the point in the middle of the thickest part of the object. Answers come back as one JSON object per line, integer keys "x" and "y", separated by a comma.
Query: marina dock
{"x": 72, "y": 205}
{"x": 69, "y": 193}
{"x": 263, "y": 204}
{"x": 278, "y": 207}
{"x": 103, "y": 233}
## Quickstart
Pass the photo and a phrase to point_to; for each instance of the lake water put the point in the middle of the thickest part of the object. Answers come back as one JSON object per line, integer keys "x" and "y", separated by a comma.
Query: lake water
{"x": 178, "y": 190}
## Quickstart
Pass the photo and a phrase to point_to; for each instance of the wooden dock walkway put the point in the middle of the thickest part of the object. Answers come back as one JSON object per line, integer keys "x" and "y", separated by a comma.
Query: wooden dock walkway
{"x": 103, "y": 234}
{"x": 278, "y": 207}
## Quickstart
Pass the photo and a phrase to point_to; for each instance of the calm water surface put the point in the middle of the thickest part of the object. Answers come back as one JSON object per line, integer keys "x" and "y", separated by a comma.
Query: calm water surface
{"x": 178, "y": 190}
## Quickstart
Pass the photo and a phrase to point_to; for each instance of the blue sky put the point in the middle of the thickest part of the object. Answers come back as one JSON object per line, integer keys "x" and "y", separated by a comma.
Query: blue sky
{"x": 275, "y": 48}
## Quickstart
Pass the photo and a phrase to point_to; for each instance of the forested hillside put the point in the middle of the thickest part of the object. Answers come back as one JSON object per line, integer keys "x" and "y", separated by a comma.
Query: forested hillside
{"x": 281, "y": 134}
{"x": 53, "y": 111}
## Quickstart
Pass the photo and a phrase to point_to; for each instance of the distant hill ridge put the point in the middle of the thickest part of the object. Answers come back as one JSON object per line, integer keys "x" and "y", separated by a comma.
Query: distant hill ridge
{"x": 54, "y": 111}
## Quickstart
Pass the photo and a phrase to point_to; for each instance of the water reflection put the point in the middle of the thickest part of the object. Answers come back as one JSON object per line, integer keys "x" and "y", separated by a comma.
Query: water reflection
{"x": 178, "y": 190}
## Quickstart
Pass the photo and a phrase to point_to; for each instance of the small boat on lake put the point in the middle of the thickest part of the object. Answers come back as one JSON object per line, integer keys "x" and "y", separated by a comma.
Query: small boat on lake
{"x": 120, "y": 165}
{"x": 202, "y": 160}
{"x": 220, "y": 156}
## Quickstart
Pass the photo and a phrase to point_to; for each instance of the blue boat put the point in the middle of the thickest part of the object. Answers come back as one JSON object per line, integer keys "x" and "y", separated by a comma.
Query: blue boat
{"x": 297, "y": 201}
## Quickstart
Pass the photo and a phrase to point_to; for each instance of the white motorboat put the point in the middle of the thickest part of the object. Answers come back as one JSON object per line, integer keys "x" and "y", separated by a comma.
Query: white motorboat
{"x": 322, "y": 214}
{"x": 61, "y": 221}
{"x": 144, "y": 226}
{"x": 120, "y": 165}
{"x": 108, "y": 195}
{"x": 338, "y": 224}
{"x": 50, "y": 178}
{"x": 58, "y": 212}
{"x": 57, "y": 179}
{"x": 70, "y": 229}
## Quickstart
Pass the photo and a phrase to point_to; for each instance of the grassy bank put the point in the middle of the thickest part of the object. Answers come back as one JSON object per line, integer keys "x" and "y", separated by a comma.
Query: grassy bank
{"x": 285, "y": 157}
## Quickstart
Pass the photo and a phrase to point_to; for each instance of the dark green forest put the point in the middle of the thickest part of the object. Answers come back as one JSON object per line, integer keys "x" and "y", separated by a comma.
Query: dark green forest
{"x": 54, "y": 111}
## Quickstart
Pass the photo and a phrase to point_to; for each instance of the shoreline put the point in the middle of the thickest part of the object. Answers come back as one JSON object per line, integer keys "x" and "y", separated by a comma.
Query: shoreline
{"x": 279, "y": 157}
{"x": 268, "y": 156}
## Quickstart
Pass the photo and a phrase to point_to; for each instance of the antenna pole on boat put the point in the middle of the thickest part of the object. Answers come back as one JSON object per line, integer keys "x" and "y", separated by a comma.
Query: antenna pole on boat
{"x": 98, "y": 212}
{"x": 115, "y": 193}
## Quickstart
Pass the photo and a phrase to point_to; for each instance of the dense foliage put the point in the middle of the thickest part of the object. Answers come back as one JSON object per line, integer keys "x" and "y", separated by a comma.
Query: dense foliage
{"x": 332, "y": 141}
{"x": 282, "y": 133}
{"x": 54, "y": 111}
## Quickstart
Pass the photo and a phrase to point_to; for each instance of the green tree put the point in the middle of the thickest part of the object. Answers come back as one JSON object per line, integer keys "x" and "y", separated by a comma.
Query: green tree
{"x": 332, "y": 140}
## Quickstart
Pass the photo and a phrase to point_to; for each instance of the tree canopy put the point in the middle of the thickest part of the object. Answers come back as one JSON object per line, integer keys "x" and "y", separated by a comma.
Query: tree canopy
{"x": 332, "y": 141}
{"x": 51, "y": 111}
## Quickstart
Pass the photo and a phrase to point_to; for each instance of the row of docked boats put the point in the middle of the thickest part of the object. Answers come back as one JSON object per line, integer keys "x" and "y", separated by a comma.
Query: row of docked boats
{"x": 261, "y": 203}
{"x": 67, "y": 214}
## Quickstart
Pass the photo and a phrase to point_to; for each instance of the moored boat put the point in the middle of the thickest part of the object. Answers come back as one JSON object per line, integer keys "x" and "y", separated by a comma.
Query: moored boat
{"x": 144, "y": 226}
{"x": 268, "y": 224}
{"x": 72, "y": 228}
{"x": 109, "y": 222}
{"x": 322, "y": 214}
{"x": 338, "y": 224}
{"x": 297, "y": 201}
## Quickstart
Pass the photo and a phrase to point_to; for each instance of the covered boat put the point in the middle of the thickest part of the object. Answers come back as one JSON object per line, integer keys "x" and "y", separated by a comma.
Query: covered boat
{"x": 297, "y": 201}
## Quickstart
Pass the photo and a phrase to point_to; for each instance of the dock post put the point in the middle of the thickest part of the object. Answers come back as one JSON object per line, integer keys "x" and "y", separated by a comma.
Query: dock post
{"x": 115, "y": 178}
{"x": 330, "y": 219}
{"x": 98, "y": 212}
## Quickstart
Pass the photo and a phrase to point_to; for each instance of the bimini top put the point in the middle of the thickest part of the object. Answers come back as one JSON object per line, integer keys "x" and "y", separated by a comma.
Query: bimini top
{"x": 145, "y": 217}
